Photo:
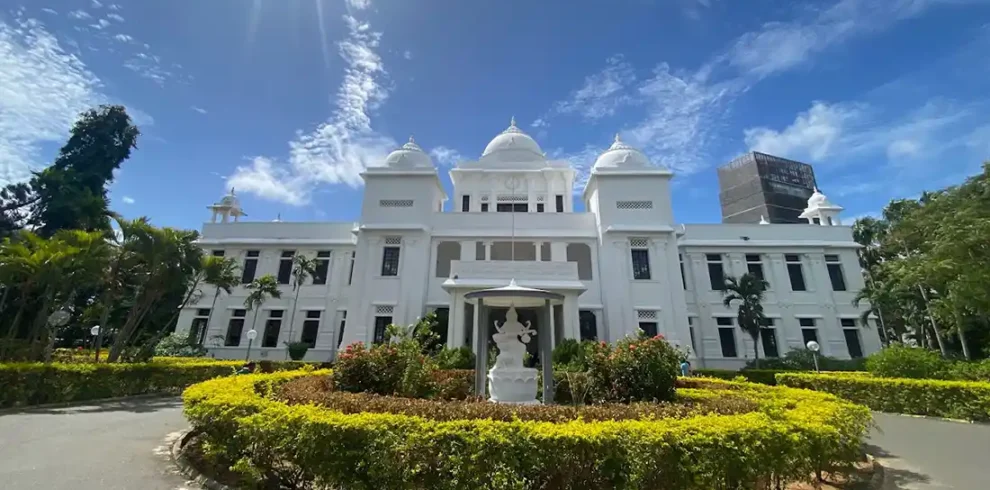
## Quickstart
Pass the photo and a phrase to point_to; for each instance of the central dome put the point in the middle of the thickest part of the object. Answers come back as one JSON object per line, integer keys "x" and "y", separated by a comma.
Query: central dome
{"x": 512, "y": 139}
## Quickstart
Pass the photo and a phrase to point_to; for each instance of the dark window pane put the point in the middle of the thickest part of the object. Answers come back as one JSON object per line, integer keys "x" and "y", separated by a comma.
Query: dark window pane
{"x": 755, "y": 269}
{"x": 343, "y": 323}
{"x": 589, "y": 325}
{"x": 350, "y": 275}
{"x": 560, "y": 203}
{"x": 848, "y": 322}
{"x": 276, "y": 313}
{"x": 641, "y": 263}
{"x": 322, "y": 268}
{"x": 390, "y": 261}
{"x": 234, "y": 328}
{"x": 311, "y": 329}
{"x": 768, "y": 336}
{"x": 723, "y": 321}
{"x": 809, "y": 334}
{"x": 443, "y": 320}
{"x": 520, "y": 207}
{"x": 197, "y": 330}
{"x": 753, "y": 258}
{"x": 381, "y": 323}
{"x": 727, "y": 337}
{"x": 797, "y": 277}
{"x": 716, "y": 275}
{"x": 831, "y": 258}
{"x": 694, "y": 345}
{"x": 683, "y": 277}
{"x": 806, "y": 322}
{"x": 484, "y": 207}
{"x": 239, "y": 313}
{"x": 250, "y": 267}
{"x": 203, "y": 312}
{"x": 852, "y": 342}
{"x": 272, "y": 328}
{"x": 835, "y": 275}
{"x": 465, "y": 203}
{"x": 539, "y": 207}
{"x": 218, "y": 253}
{"x": 285, "y": 267}
{"x": 313, "y": 314}
{"x": 792, "y": 258}
{"x": 510, "y": 207}
{"x": 648, "y": 328}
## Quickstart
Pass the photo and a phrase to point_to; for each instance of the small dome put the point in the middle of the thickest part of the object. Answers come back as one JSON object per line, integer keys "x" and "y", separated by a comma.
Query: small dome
{"x": 621, "y": 155}
{"x": 230, "y": 200}
{"x": 817, "y": 199}
{"x": 410, "y": 155}
{"x": 513, "y": 139}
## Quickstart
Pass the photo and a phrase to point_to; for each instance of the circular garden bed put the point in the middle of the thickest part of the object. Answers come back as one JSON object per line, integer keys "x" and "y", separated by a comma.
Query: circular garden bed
{"x": 293, "y": 430}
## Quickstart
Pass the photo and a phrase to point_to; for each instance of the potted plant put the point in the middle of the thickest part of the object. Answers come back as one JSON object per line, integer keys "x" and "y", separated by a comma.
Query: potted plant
{"x": 297, "y": 350}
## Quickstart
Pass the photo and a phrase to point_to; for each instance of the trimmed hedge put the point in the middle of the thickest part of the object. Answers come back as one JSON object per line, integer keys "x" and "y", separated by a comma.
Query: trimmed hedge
{"x": 793, "y": 434}
{"x": 761, "y": 376}
{"x": 36, "y": 383}
{"x": 968, "y": 400}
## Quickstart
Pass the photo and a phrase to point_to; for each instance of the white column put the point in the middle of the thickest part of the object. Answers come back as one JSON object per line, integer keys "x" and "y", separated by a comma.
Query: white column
{"x": 488, "y": 251}
{"x": 558, "y": 251}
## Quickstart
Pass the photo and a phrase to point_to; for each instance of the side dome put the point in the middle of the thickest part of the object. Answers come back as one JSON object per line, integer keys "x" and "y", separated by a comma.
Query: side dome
{"x": 410, "y": 155}
{"x": 621, "y": 155}
{"x": 817, "y": 199}
{"x": 512, "y": 139}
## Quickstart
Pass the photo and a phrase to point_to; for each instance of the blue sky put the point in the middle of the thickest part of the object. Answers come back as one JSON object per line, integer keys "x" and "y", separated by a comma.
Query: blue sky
{"x": 288, "y": 100}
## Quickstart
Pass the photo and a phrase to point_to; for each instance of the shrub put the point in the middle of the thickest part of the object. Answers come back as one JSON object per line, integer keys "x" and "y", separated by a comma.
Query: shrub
{"x": 898, "y": 361}
{"x": 176, "y": 345}
{"x": 459, "y": 358}
{"x": 804, "y": 360}
{"x": 792, "y": 434}
{"x": 634, "y": 370}
{"x": 297, "y": 350}
{"x": 571, "y": 355}
{"x": 453, "y": 384}
{"x": 36, "y": 383}
{"x": 952, "y": 399}
{"x": 384, "y": 369}
{"x": 761, "y": 376}
{"x": 970, "y": 370}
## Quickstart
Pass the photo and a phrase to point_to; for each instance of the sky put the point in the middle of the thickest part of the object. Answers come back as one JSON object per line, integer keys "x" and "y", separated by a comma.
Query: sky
{"x": 288, "y": 101}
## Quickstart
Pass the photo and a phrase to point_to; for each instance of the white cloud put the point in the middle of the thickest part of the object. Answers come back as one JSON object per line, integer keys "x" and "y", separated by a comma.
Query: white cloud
{"x": 100, "y": 24}
{"x": 96, "y": 4}
{"x": 540, "y": 123}
{"x": 43, "y": 90}
{"x": 581, "y": 160}
{"x": 359, "y": 4}
{"x": 811, "y": 136}
{"x": 49, "y": 11}
{"x": 446, "y": 156}
{"x": 124, "y": 38}
{"x": 114, "y": 6}
{"x": 199, "y": 109}
{"x": 80, "y": 14}
{"x": 127, "y": 200}
{"x": 116, "y": 17}
{"x": 903, "y": 149}
{"x": 407, "y": 54}
{"x": 602, "y": 93}
{"x": 339, "y": 149}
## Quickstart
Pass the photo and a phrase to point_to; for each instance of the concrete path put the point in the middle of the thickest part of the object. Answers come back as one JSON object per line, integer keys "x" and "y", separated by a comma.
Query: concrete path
{"x": 926, "y": 454}
{"x": 101, "y": 446}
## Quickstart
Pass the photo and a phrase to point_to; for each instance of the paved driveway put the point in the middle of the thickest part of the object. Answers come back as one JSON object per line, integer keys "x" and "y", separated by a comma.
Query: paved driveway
{"x": 102, "y": 446}
{"x": 924, "y": 454}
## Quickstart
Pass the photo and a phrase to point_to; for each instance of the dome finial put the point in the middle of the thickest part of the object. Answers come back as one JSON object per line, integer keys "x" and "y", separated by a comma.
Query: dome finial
{"x": 411, "y": 139}
{"x": 231, "y": 191}
{"x": 512, "y": 122}
{"x": 617, "y": 138}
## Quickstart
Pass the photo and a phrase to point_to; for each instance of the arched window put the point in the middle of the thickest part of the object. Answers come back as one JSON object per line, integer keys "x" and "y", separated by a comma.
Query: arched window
{"x": 580, "y": 253}
{"x": 447, "y": 251}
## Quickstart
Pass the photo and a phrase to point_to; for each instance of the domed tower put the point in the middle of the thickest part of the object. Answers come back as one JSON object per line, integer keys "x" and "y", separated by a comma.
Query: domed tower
{"x": 625, "y": 188}
{"x": 821, "y": 211}
{"x": 228, "y": 207}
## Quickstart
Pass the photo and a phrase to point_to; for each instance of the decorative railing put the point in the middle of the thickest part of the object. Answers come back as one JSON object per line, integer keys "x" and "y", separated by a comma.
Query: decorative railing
{"x": 519, "y": 270}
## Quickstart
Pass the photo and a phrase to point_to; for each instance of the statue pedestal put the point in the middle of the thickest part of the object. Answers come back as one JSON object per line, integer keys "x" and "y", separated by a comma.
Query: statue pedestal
{"x": 512, "y": 385}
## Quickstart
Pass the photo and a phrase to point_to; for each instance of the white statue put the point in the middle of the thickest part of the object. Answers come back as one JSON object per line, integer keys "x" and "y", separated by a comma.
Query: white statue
{"x": 508, "y": 380}
{"x": 510, "y": 349}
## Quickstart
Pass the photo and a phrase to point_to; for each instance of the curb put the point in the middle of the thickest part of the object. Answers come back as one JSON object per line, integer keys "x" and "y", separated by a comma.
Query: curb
{"x": 879, "y": 475}
{"x": 186, "y": 468}
{"x": 79, "y": 403}
{"x": 932, "y": 417}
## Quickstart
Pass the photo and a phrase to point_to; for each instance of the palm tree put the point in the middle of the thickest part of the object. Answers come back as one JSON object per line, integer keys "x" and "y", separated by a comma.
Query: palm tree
{"x": 222, "y": 274}
{"x": 749, "y": 291}
{"x": 261, "y": 289}
{"x": 302, "y": 268}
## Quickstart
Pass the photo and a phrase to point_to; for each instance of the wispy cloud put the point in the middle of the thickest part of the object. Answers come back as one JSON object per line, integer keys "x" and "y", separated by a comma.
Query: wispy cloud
{"x": 199, "y": 109}
{"x": 116, "y": 17}
{"x": 341, "y": 148}
{"x": 124, "y": 38}
{"x": 96, "y": 4}
{"x": 80, "y": 14}
{"x": 127, "y": 200}
{"x": 407, "y": 54}
{"x": 446, "y": 156}
{"x": 100, "y": 24}
{"x": 44, "y": 90}
{"x": 602, "y": 93}
{"x": 49, "y": 11}
{"x": 359, "y": 4}
{"x": 812, "y": 135}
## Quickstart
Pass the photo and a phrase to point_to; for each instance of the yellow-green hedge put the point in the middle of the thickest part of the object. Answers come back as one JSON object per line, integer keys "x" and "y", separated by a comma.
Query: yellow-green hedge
{"x": 36, "y": 383}
{"x": 952, "y": 399}
{"x": 793, "y": 434}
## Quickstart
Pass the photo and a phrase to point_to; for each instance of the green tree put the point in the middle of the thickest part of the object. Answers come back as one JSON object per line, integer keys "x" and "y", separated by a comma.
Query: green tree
{"x": 749, "y": 291}
{"x": 302, "y": 268}
{"x": 220, "y": 273}
{"x": 260, "y": 289}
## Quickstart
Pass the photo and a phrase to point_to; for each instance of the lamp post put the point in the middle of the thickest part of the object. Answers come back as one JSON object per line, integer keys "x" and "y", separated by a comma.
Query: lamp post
{"x": 814, "y": 348}
{"x": 252, "y": 334}
{"x": 95, "y": 332}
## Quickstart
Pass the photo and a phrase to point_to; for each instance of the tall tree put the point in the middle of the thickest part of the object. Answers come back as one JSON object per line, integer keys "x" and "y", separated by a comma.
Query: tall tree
{"x": 261, "y": 289}
{"x": 302, "y": 268}
{"x": 220, "y": 273}
{"x": 749, "y": 291}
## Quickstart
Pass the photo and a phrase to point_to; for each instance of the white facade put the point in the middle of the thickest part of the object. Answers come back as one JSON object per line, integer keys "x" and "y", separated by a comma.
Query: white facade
{"x": 618, "y": 264}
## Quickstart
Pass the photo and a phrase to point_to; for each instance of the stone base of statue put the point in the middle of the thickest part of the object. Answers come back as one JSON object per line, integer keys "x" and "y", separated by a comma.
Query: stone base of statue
{"x": 517, "y": 386}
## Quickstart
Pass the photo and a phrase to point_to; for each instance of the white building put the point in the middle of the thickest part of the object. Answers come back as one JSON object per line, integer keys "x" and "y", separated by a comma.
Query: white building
{"x": 622, "y": 265}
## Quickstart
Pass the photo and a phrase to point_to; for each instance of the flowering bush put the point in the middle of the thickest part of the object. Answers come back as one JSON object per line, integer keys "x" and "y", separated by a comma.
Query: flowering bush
{"x": 385, "y": 369}
{"x": 633, "y": 370}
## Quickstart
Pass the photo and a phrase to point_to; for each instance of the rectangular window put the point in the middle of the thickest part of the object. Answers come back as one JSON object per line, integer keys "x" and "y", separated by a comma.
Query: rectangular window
{"x": 311, "y": 328}
{"x": 796, "y": 272}
{"x": 512, "y": 207}
{"x": 768, "y": 337}
{"x": 716, "y": 273}
{"x": 381, "y": 323}
{"x": 390, "y": 261}
{"x": 809, "y": 330}
{"x": 851, "y": 333}
{"x": 559, "y": 200}
{"x": 343, "y": 323}
{"x": 680, "y": 257}
{"x": 250, "y": 266}
{"x": 539, "y": 207}
{"x": 484, "y": 207}
{"x": 322, "y": 267}
{"x": 285, "y": 266}
{"x": 694, "y": 342}
{"x": 835, "y": 272}
{"x": 641, "y": 263}
{"x": 465, "y": 204}
{"x": 272, "y": 328}
{"x": 219, "y": 253}
{"x": 754, "y": 265}
{"x": 350, "y": 275}
{"x": 727, "y": 336}
{"x": 200, "y": 323}
{"x": 648, "y": 328}
{"x": 234, "y": 329}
